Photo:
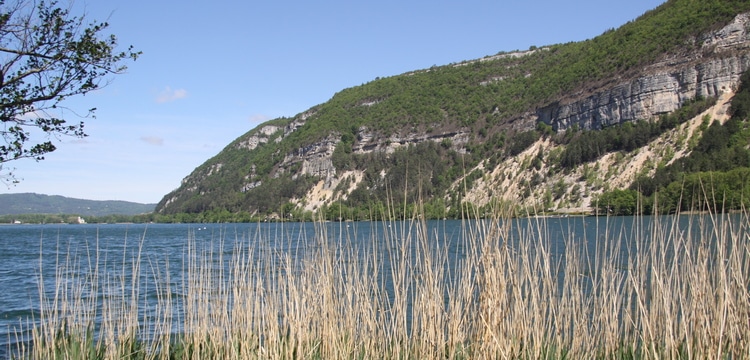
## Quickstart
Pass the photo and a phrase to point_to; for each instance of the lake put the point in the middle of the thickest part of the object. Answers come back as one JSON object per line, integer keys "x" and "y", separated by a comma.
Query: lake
{"x": 34, "y": 256}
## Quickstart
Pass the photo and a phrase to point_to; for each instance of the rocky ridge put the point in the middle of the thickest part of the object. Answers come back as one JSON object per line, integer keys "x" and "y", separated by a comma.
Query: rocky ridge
{"x": 711, "y": 70}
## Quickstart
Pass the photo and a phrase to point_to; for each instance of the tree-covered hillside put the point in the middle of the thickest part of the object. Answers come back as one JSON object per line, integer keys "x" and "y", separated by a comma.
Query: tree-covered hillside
{"x": 27, "y": 203}
{"x": 715, "y": 176}
{"x": 491, "y": 100}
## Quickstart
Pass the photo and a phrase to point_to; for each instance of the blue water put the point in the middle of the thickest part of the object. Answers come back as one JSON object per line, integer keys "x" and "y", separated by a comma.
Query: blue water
{"x": 32, "y": 254}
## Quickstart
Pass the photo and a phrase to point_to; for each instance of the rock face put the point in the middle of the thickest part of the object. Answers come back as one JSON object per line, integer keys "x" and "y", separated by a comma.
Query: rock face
{"x": 712, "y": 70}
{"x": 315, "y": 159}
{"x": 260, "y": 137}
{"x": 368, "y": 141}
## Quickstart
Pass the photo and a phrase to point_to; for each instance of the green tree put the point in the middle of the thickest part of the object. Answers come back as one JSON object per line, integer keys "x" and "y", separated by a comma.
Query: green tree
{"x": 619, "y": 202}
{"x": 46, "y": 56}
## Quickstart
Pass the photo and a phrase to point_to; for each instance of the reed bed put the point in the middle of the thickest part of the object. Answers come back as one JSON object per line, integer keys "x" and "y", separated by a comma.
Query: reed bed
{"x": 656, "y": 290}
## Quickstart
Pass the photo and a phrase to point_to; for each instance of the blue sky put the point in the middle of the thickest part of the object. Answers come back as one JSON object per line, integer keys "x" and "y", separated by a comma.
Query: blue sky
{"x": 211, "y": 71}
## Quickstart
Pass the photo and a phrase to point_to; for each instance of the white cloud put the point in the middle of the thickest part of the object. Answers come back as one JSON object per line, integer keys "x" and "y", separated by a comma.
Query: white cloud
{"x": 169, "y": 94}
{"x": 258, "y": 118}
{"x": 33, "y": 115}
{"x": 153, "y": 140}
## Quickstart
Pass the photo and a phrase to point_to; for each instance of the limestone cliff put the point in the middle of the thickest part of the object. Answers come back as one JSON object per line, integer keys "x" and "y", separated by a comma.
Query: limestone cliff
{"x": 662, "y": 87}
{"x": 465, "y": 113}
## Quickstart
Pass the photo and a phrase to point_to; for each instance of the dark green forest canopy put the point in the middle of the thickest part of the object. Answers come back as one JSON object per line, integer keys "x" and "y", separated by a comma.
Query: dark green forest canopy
{"x": 489, "y": 93}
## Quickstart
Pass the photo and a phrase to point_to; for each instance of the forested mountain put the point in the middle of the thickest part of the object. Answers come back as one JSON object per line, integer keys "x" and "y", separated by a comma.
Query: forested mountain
{"x": 28, "y": 203}
{"x": 565, "y": 126}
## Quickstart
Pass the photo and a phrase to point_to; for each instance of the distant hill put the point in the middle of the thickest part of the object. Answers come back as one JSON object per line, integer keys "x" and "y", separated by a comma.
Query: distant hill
{"x": 29, "y": 203}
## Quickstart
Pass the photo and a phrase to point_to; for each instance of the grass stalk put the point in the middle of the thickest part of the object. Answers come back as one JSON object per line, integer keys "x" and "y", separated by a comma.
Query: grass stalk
{"x": 502, "y": 289}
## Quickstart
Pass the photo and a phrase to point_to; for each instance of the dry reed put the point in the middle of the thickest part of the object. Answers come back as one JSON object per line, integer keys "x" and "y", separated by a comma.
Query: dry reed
{"x": 656, "y": 290}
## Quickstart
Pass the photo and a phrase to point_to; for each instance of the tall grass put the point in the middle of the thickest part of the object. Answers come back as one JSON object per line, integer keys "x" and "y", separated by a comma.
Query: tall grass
{"x": 656, "y": 290}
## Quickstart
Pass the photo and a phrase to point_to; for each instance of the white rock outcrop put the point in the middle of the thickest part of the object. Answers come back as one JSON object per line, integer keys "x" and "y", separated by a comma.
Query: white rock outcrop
{"x": 715, "y": 68}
